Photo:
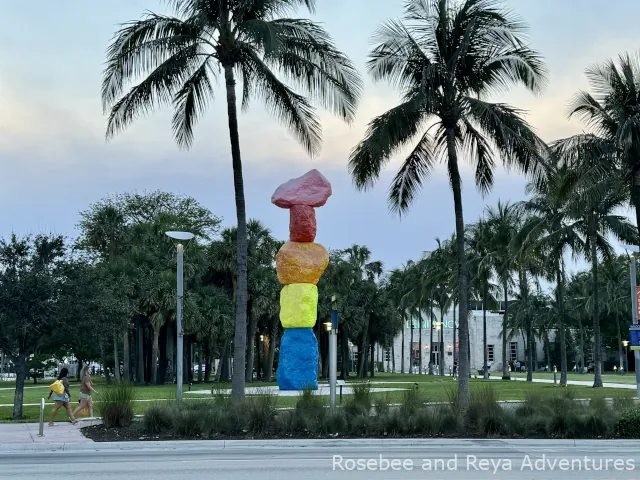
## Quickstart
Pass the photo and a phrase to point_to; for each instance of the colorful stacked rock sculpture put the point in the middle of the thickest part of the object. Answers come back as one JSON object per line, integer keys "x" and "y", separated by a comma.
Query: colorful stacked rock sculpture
{"x": 300, "y": 264}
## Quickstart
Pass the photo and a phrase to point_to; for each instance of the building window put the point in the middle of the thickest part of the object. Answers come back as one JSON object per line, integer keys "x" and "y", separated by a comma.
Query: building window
{"x": 513, "y": 351}
{"x": 490, "y": 353}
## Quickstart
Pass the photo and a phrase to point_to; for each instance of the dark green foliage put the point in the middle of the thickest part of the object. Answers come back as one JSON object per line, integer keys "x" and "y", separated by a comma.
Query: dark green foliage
{"x": 157, "y": 419}
{"x": 628, "y": 425}
{"x": 115, "y": 405}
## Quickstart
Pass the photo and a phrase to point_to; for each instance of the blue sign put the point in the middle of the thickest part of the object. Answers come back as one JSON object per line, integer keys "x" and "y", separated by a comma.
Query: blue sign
{"x": 634, "y": 337}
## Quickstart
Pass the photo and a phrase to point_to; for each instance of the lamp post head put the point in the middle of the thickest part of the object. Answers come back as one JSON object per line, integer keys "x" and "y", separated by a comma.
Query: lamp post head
{"x": 180, "y": 235}
{"x": 625, "y": 343}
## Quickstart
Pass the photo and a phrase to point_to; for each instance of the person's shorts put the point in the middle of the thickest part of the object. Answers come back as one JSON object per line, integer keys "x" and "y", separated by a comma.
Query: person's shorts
{"x": 61, "y": 398}
{"x": 84, "y": 396}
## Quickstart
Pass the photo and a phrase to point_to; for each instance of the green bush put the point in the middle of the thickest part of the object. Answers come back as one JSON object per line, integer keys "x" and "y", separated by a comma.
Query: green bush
{"x": 335, "y": 423}
{"x": 413, "y": 400}
{"x": 158, "y": 418}
{"x": 622, "y": 404}
{"x": 628, "y": 425}
{"x": 259, "y": 412}
{"x": 360, "y": 401}
{"x": 115, "y": 405}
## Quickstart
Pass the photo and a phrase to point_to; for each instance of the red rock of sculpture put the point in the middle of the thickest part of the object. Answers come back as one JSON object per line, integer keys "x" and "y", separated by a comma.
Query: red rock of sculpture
{"x": 302, "y": 223}
{"x": 311, "y": 189}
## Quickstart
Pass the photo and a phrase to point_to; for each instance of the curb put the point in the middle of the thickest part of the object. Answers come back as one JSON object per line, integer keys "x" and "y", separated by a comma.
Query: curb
{"x": 456, "y": 445}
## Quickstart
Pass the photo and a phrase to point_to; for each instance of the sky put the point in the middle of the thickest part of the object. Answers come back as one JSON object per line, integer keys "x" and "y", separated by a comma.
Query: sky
{"x": 55, "y": 160}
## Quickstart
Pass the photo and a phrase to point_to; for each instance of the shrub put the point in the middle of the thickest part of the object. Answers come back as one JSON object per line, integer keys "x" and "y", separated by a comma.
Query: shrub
{"x": 360, "y": 401}
{"x": 359, "y": 424}
{"x": 447, "y": 422}
{"x": 335, "y": 423}
{"x": 532, "y": 426}
{"x": 158, "y": 418}
{"x": 388, "y": 424}
{"x": 628, "y": 425}
{"x": 622, "y": 404}
{"x": 259, "y": 412}
{"x": 189, "y": 422}
{"x": 413, "y": 400}
{"x": 116, "y": 405}
{"x": 482, "y": 402}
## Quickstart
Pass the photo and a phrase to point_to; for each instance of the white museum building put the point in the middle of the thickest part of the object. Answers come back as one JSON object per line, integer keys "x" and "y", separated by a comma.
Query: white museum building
{"x": 421, "y": 342}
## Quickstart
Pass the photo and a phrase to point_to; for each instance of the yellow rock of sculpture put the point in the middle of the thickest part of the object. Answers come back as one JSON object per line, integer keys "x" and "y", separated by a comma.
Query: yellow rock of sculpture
{"x": 301, "y": 262}
{"x": 299, "y": 305}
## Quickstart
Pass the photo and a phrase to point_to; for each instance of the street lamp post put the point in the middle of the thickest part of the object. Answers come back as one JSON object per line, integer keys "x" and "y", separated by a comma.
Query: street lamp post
{"x": 184, "y": 236}
{"x": 634, "y": 307}
{"x": 333, "y": 352}
{"x": 625, "y": 344}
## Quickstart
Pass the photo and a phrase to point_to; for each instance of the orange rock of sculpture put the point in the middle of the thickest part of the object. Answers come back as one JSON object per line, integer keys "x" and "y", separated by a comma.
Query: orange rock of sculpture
{"x": 301, "y": 262}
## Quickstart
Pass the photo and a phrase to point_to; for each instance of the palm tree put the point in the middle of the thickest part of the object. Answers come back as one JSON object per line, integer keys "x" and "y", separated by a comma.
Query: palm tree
{"x": 503, "y": 224}
{"x": 179, "y": 57}
{"x": 547, "y": 231}
{"x": 611, "y": 113}
{"x": 616, "y": 283}
{"x": 593, "y": 214}
{"x": 482, "y": 271}
{"x": 444, "y": 58}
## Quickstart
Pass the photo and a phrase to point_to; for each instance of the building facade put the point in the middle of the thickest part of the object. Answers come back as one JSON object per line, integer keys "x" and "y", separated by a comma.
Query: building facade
{"x": 516, "y": 344}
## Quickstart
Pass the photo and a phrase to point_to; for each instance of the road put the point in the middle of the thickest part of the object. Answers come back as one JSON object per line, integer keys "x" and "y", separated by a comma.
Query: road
{"x": 484, "y": 459}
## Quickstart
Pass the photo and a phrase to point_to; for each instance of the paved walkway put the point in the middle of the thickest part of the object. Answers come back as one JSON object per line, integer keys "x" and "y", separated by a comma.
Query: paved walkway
{"x": 27, "y": 433}
{"x": 626, "y": 386}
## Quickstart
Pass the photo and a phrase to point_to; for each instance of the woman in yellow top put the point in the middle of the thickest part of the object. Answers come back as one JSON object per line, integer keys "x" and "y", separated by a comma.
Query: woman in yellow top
{"x": 86, "y": 390}
{"x": 62, "y": 400}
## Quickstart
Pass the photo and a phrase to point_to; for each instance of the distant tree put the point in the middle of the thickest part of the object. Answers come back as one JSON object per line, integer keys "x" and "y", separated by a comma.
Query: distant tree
{"x": 31, "y": 278}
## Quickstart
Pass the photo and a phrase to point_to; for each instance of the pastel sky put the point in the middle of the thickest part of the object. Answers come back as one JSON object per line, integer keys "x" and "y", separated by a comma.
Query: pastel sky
{"x": 55, "y": 160}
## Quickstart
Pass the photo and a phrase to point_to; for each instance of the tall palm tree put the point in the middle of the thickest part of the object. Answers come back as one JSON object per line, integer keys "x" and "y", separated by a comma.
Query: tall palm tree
{"x": 547, "y": 230}
{"x": 503, "y": 223}
{"x": 611, "y": 114}
{"x": 616, "y": 283}
{"x": 444, "y": 57}
{"x": 480, "y": 246}
{"x": 594, "y": 217}
{"x": 179, "y": 57}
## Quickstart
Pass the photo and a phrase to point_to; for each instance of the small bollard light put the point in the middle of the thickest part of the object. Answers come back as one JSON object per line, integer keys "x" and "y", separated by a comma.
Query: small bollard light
{"x": 555, "y": 372}
{"x": 190, "y": 386}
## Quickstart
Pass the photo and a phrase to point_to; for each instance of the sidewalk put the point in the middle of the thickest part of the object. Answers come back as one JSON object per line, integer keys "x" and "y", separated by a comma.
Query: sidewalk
{"x": 18, "y": 435}
{"x": 625, "y": 386}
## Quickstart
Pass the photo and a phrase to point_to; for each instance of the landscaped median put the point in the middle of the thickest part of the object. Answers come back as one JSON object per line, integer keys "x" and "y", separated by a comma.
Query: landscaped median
{"x": 557, "y": 414}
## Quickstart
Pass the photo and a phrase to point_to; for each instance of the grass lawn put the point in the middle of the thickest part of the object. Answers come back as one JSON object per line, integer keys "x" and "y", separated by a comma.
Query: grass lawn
{"x": 434, "y": 389}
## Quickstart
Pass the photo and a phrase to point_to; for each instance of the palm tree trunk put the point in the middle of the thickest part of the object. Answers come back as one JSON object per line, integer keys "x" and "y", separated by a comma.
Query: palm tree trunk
{"x": 154, "y": 354}
{"x": 346, "y": 353}
{"x": 273, "y": 340}
{"x": 635, "y": 193}
{"x": 430, "y": 338}
{"x": 372, "y": 367}
{"x": 619, "y": 340}
{"x": 454, "y": 332}
{"x": 240, "y": 338}
{"x": 393, "y": 356}
{"x": 20, "y": 365}
{"x": 223, "y": 359}
{"x": 485, "y": 288}
{"x": 524, "y": 289}
{"x": 401, "y": 347}
{"x": 441, "y": 345}
{"x": 105, "y": 367}
{"x": 251, "y": 348}
{"x": 116, "y": 358}
{"x": 463, "y": 274}
{"x": 420, "y": 340}
{"x": 200, "y": 363}
{"x": 597, "y": 369}
{"x": 411, "y": 347}
{"x": 563, "y": 342}
{"x": 126, "y": 352}
{"x": 505, "y": 369}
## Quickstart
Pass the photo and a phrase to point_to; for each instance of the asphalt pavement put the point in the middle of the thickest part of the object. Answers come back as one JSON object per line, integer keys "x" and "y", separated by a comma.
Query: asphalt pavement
{"x": 311, "y": 460}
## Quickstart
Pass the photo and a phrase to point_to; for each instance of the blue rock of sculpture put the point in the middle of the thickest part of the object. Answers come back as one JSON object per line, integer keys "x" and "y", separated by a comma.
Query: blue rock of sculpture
{"x": 298, "y": 364}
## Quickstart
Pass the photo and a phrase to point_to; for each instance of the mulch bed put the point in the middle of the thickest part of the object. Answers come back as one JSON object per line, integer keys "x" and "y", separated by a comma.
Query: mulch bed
{"x": 99, "y": 433}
